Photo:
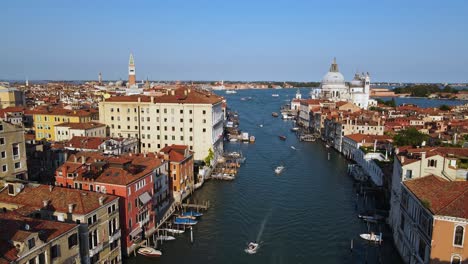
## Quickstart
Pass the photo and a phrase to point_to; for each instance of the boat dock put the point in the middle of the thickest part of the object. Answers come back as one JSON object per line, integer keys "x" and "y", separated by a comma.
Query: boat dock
{"x": 227, "y": 166}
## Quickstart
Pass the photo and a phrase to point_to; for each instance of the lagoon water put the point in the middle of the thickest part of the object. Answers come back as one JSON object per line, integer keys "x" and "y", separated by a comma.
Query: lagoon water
{"x": 307, "y": 214}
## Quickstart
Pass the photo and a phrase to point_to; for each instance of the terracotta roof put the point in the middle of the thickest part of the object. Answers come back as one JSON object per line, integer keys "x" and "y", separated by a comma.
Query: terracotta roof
{"x": 369, "y": 138}
{"x": 121, "y": 170}
{"x": 87, "y": 125}
{"x": 444, "y": 197}
{"x": 59, "y": 198}
{"x": 181, "y": 95}
{"x": 62, "y": 112}
{"x": 13, "y": 229}
{"x": 176, "y": 152}
{"x": 85, "y": 142}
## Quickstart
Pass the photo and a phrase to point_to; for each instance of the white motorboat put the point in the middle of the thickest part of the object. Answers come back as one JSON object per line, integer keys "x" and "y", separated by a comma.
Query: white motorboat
{"x": 149, "y": 252}
{"x": 279, "y": 169}
{"x": 173, "y": 231}
{"x": 252, "y": 248}
{"x": 233, "y": 139}
{"x": 275, "y": 95}
{"x": 372, "y": 237}
{"x": 166, "y": 238}
{"x": 231, "y": 92}
{"x": 293, "y": 147}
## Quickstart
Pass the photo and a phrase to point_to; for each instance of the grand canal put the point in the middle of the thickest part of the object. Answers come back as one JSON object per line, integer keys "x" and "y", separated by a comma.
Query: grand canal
{"x": 308, "y": 214}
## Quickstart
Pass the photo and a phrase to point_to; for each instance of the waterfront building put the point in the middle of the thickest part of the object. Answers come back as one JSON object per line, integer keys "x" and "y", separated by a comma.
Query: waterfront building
{"x": 180, "y": 170}
{"x": 369, "y": 151}
{"x": 183, "y": 116}
{"x": 343, "y": 123}
{"x": 97, "y": 215}
{"x": 45, "y": 120}
{"x": 66, "y": 131}
{"x": 414, "y": 163}
{"x": 130, "y": 177}
{"x": 26, "y": 240}
{"x": 333, "y": 87}
{"x": 432, "y": 221}
{"x": 10, "y": 96}
{"x": 12, "y": 152}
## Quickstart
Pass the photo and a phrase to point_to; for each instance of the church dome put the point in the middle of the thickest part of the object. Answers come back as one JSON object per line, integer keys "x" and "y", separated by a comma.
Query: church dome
{"x": 333, "y": 78}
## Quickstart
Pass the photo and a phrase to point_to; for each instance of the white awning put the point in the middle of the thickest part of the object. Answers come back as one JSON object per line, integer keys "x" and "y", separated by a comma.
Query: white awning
{"x": 144, "y": 198}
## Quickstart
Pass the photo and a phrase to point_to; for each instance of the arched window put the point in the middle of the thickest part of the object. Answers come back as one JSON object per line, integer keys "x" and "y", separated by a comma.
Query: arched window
{"x": 456, "y": 259}
{"x": 458, "y": 239}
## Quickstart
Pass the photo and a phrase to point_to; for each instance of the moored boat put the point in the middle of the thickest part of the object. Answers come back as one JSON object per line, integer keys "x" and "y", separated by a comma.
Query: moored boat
{"x": 294, "y": 129}
{"x": 149, "y": 252}
{"x": 192, "y": 213}
{"x": 274, "y": 114}
{"x": 282, "y": 137}
{"x": 252, "y": 139}
{"x": 173, "y": 231}
{"x": 166, "y": 238}
{"x": 275, "y": 95}
{"x": 184, "y": 221}
{"x": 372, "y": 237}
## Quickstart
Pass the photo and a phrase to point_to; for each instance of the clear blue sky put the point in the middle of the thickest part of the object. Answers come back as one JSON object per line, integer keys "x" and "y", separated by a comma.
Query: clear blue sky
{"x": 408, "y": 41}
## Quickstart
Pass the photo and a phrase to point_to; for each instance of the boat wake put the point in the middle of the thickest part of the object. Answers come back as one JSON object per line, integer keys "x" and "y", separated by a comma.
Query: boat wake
{"x": 262, "y": 227}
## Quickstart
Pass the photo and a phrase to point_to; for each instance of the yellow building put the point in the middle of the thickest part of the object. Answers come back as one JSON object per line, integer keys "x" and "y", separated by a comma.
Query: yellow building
{"x": 46, "y": 119}
{"x": 10, "y": 96}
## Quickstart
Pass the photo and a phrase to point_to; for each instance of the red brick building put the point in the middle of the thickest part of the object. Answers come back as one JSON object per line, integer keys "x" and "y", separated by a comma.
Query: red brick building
{"x": 131, "y": 177}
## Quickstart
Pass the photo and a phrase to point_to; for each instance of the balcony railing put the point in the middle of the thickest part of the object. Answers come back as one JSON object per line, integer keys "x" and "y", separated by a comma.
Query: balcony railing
{"x": 115, "y": 236}
{"x": 144, "y": 221}
{"x": 15, "y": 157}
{"x": 96, "y": 250}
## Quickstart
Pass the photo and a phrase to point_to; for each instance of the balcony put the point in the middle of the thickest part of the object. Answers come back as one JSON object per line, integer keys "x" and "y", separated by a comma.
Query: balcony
{"x": 96, "y": 250}
{"x": 115, "y": 236}
{"x": 143, "y": 221}
{"x": 16, "y": 157}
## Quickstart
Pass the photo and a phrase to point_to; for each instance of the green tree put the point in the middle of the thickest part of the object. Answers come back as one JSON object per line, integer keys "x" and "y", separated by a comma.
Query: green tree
{"x": 410, "y": 136}
{"x": 209, "y": 157}
{"x": 445, "y": 107}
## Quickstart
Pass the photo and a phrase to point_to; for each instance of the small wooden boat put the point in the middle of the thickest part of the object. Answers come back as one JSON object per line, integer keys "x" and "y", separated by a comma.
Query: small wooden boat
{"x": 372, "y": 237}
{"x": 149, "y": 252}
{"x": 282, "y": 137}
{"x": 274, "y": 114}
{"x": 252, "y": 248}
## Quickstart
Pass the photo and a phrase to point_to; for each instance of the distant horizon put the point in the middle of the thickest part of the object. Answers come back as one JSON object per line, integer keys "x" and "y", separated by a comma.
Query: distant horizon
{"x": 209, "y": 81}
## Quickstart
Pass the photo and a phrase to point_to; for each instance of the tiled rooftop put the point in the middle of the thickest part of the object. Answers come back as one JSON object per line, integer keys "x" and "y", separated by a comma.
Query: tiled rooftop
{"x": 444, "y": 197}
{"x": 59, "y": 198}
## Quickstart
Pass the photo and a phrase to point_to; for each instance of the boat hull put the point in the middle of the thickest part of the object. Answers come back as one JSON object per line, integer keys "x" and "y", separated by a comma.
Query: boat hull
{"x": 149, "y": 252}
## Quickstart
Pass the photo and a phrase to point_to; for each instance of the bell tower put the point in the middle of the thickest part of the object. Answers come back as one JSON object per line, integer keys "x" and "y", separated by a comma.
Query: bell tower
{"x": 131, "y": 71}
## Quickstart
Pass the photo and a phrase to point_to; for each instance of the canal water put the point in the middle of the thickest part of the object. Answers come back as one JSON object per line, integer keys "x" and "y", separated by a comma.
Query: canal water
{"x": 307, "y": 214}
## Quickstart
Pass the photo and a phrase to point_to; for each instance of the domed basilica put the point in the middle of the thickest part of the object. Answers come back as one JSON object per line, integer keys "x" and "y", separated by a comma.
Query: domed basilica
{"x": 334, "y": 88}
